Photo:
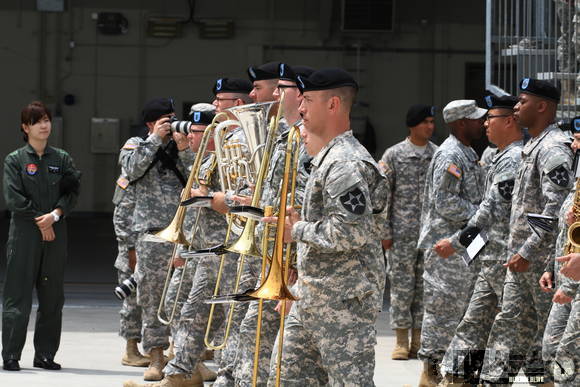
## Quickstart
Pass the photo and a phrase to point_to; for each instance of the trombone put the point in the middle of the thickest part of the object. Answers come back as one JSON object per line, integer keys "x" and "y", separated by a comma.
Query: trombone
{"x": 245, "y": 245}
{"x": 274, "y": 286}
{"x": 174, "y": 232}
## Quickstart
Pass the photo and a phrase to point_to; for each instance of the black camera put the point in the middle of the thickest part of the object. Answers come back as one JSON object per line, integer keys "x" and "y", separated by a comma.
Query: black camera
{"x": 180, "y": 126}
{"x": 125, "y": 288}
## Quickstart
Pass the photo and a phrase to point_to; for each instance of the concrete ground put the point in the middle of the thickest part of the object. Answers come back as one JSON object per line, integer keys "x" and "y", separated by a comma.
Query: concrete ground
{"x": 90, "y": 348}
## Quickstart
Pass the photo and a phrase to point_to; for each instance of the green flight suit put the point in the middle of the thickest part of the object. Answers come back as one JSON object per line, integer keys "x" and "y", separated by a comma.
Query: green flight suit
{"x": 34, "y": 186}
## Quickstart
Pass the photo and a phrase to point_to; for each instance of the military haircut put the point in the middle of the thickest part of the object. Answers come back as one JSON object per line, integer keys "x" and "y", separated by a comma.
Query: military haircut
{"x": 346, "y": 94}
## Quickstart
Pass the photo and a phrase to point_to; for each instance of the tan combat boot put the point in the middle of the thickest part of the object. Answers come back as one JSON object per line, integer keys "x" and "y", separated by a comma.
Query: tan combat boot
{"x": 206, "y": 374}
{"x": 178, "y": 380}
{"x": 132, "y": 356}
{"x": 429, "y": 375}
{"x": 155, "y": 370}
{"x": 453, "y": 381}
{"x": 415, "y": 343}
{"x": 401, "y": 351}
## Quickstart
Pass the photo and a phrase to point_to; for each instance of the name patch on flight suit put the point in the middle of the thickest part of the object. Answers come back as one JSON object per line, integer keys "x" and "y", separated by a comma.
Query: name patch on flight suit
{"x": 53, "y": 169}
{"x": 31, "y": 169}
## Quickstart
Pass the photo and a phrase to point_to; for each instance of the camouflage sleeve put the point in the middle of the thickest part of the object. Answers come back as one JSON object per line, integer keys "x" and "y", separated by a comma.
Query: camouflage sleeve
{"x": 387, "y": 168}
{"x": 448, "y": 176}
{"x": 123, "y": 218}
{"x": 555, "y": 180}
{"x": 303, "y": 175}
{"x": 186, "y": 158}
{"x": 136, "y": 155}
{"x": 568, "y": 286}
{"x": 347, "y": 212}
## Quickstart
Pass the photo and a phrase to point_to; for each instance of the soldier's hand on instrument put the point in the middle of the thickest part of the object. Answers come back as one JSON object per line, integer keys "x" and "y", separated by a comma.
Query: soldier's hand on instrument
{"x": 517, "y": 264}
{"x": 47, "y": 234}
{"x": 387, "y": 244}
{"x": 44, "y": 221}
{"x": 443, "y": 248}
{"x": 546, "y": 282}
{"x": 201, "y": 191}
{"x": 570, "y": 218}
{"x": 572, "y": 267}
{"x": 162, "y": 127}
{"x": 292, "y": 216}
{"x": 178, "y": 262}
{"x": 278, "y": 307}
{"x": 243, "y": 200}
{"x": 218, "y": 203}
{"x": 180, "y": 140}
{"x": 292, "y": 276}
{"x": 561, "y": 298}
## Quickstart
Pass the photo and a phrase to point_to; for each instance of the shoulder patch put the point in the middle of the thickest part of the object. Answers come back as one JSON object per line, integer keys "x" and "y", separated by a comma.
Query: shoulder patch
{"x": 129, "y": 146}
{"x": 560, "y": 176}
{"x": 506, "y": 188}
{"x": 454, "y": 170}
{"x": 354, "y": 201}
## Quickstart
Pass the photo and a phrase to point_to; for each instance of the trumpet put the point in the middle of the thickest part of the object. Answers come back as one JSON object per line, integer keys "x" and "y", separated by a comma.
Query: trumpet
{"x": 174, "y": 233}
{"x": 245, "y": 245}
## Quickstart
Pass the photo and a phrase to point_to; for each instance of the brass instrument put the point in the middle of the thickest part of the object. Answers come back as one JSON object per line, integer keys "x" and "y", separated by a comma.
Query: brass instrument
{"x": 246, "y": 244}
{"x": 573, "y": 243}
{"x": 274, "y": 286}
{"x": 174, "y": 233}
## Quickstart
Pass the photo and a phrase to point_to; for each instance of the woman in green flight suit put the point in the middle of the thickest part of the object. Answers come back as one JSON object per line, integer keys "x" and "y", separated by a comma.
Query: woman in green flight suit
{"x": 41, "y": 186}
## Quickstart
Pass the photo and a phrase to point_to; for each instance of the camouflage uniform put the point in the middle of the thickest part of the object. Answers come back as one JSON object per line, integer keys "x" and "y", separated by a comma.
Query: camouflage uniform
{"x": 542, "y": 185}
{"x": 568, "y": 352}
{"x": 405, "y": 169}
{"x": 190, "y": 332}
{"x": 453, "y": 190}
{"x": 270, "y": 318}
{"x": 124, "y": 201}
{"x": 330, "y": 332}
{"x": 487, "y": 157}
{"x": 157, "y": 193}
{"x": 493, "y": 217}
{"x": 560, "y": 313}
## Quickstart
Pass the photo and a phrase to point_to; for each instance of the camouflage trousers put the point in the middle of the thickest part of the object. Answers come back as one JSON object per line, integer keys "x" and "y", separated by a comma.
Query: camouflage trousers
{"x": 448, "y": 286}
{"x": 244, "y": 362}
{"x": 465, "y": 352}
{"x": 130, "y": 322}
{"x": 175, "y": 300}
{"x": 190, "y": 334}
{"x": 405, "y": 271}
{"x": 150, "y": 273}
{"x": 515, "y": 340}
{"x": 333, "y": 344}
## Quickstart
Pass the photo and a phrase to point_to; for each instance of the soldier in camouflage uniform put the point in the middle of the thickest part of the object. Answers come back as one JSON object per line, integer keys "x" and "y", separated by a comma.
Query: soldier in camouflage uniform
{"x": 157, "y": 167}
{"x": 270, "y": 197}
{"x": 487, "y": 157}
{"x": 540, "y": 188}
{"x": 130, "y": 327}
{"x": 405, "y": 165}
{"x": 465, "y": 352}
{"x": 330, "y": 335}
{"x": 453, "y": 190}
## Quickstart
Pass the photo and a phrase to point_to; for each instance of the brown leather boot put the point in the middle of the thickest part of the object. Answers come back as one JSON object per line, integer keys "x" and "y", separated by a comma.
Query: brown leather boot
{"x": 155, "y": 370}
{"x": 401, "y": 351}
{"x": 415, "y": 343}
{"x": 453, "y": 381}
{"x": 206, "y": 374}
{"x": 429, "y": 375}
{"x": 132, "y": 356}
{"x": 178, "y": 380}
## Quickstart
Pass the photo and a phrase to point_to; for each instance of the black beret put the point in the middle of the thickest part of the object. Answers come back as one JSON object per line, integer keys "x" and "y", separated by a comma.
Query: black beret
{"x": 232, "y": 85}
{"x": 156, "y": 108}
{"x": 326, "y": 79}
{"x": 503, "y": 102}
{"x": 202, "y": 117}
{"x": 542, "y": 89}
{"x": 266, "y": 71}
{"x": 417, "y": 113}
{"x": 289, "y": 73}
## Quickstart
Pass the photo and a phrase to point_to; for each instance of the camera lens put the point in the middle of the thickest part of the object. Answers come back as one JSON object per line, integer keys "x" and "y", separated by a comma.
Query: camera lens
{"x": 181, "y": 126}
{"x": 125, "y": 288}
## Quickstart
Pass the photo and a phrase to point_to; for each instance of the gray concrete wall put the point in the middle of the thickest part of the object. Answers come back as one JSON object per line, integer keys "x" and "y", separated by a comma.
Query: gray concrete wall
{"x": 422, "y": 60}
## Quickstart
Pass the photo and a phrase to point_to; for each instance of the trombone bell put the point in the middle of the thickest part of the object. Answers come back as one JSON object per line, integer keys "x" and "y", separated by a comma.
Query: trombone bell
{"x": 173, "y": 232}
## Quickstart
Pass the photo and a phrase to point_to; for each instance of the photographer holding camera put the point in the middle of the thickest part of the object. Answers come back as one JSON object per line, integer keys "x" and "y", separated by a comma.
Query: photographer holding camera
{"x": 156, "y": 166}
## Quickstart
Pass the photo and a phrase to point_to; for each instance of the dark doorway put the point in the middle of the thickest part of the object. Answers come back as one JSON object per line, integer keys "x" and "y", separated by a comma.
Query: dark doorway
{"x": 475, "y": 89}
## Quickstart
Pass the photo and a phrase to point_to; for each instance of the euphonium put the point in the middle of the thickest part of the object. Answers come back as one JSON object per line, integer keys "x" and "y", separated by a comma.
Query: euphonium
{"x": 573, "y": 243}
{"x": 173, "y": 233}
{"x": 245, "y": 245}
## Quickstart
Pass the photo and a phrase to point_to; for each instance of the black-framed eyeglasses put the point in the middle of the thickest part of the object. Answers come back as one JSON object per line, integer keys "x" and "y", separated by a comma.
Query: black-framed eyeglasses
{"x": 489, "y": 117}
{"x": 219, "y": 99}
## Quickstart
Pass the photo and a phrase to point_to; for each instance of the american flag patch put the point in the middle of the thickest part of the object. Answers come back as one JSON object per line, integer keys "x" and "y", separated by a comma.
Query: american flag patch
{"x": 454, "y": 170}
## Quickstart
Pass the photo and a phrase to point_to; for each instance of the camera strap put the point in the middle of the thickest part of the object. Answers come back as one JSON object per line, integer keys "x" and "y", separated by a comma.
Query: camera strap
{"x": 168, "y": 163}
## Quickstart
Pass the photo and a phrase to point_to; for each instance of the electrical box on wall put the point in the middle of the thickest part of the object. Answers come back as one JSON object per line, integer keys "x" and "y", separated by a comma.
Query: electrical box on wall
{"x": 105, "y": 133}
